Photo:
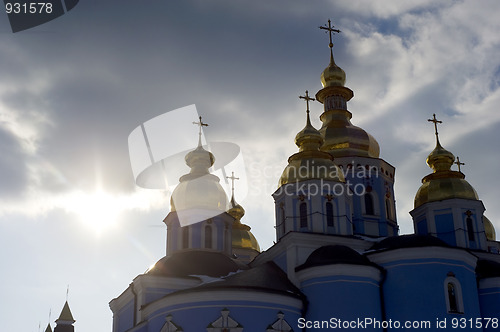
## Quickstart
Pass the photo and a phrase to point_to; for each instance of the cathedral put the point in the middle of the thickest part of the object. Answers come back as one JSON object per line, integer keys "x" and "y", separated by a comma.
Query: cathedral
{"x": 338, "y": 261}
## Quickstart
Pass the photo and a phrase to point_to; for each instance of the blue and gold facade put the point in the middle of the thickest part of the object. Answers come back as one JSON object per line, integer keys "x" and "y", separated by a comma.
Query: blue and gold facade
{"x": 338, "y": 253}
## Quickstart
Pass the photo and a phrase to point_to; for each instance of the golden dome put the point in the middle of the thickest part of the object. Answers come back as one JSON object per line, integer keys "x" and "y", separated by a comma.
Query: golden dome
{"x": 489, "y": 229}
{"x": 236, "y": 211}
{"x": 241, "y": 236}
{"x": 343, "y": 139}
{"x": 440, "y": 159}
{"x": 333, "y": 75}
{"x": 310, "y": 163}
{"x": 443, "y": 183}
{"x": 199, "y": 189}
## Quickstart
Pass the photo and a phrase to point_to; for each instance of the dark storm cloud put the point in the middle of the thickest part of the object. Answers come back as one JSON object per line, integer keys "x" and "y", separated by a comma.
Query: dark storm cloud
{"x": 115, "y": 68}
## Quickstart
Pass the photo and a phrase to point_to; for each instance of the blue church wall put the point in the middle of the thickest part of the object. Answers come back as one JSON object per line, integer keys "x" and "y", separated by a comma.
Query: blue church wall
{"x": 195, "y": 235}
{"x": 445, "y": 228}
{"x": 422, "y": 227}
{"x": 253, "y": 316}
{"x": 153, "y": 294}
{"x": 372, "y": 180}
{"x": 126, "y": 317}
{"x": 341, "y": 297}
{"x": 415, "y": 289}
{"x": 489, "y": 299}
{"x": 220, "y": 233}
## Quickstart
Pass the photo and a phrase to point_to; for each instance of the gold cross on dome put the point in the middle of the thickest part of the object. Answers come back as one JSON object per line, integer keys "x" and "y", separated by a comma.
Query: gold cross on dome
{"x": 307, "y": 99}
{"x": 330, "y": 29}
{"x": 232, "y": 177}
{"x": 435, "y": 121}
{"x": 458, "y": 163}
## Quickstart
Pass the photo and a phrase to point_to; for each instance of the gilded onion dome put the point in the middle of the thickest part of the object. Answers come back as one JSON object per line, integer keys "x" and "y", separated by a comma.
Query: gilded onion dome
{"x": 491, "y": 235}
{"x": 310, "y": 163}
{"x": 341, "y": 137}
{"x": 241, "y": 236}
{"x": 443, "y": 183}
{"x": 333, "y": 75}
{"x": 199, "y": 189}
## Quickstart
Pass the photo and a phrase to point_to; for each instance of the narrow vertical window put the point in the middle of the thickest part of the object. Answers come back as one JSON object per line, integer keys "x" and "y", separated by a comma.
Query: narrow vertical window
{"x": 208, "y": 237}
{"x": 283, "y": 220}
{"x": 369, "y": 204}
{"x": 388, "y": 210}
{"x": 329, "y": 214}
{"x": 452, "y": 298}
{"x": 470, "y": 229}
{"x": 303, "y": 215}
{"x": 185, "y": 237}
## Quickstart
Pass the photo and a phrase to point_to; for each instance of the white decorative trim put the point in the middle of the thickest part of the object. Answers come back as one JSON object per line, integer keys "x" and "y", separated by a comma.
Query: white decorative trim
{"x": 122, "y": 300}
{"x": 170, "y": 326}
{"x": 280, "y": 325}
{"x": 221, "y": 295}
{"x": 489, "y": 283}
{"x": 350, "y": 270}
{"x": 456, "y": 254}
{"x": 224, "y": 323}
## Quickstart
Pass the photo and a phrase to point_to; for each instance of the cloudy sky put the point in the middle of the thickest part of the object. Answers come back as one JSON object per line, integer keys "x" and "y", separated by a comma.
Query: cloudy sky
{"x": 72, "y": 90}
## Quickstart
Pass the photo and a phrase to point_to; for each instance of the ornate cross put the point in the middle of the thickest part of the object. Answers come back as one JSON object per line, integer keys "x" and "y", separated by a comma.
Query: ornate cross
{"x": 201, "y": 124}
{"x": 458, "y": 163}
{"x": 436, "y": 121}
{"x": 232, "y": 177}
{"x": 330, "y": 29}
{"x": 307, "y": 99}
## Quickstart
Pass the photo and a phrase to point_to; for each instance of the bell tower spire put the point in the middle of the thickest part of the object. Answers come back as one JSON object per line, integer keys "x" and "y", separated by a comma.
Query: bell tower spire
{"x": 356, "y": 152}
{"x": 65, "y": 321}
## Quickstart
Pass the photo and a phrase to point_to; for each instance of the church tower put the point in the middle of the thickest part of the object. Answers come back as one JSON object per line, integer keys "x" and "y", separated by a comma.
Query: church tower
{"x": 370, "y": 178}
{"x": 65, "y": 321}
{"x": 312, "y": 196}
{"x": 197, "y": 219}
{"x": 244, "y": 244}
{"x": 446, "y": 205}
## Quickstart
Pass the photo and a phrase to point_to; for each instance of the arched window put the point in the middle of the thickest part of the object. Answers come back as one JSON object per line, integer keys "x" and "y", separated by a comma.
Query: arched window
{"x": 452, "y": 298}
{"x": 303, "y": 215}
{"x": 329, "y": 214}
{"x": 453, "y": 294}
{"x": 283, "y": 220}
{"x": 470, "y": 229}
{"x": 185, "y": 237}
{"x": 208, "y": 236}
{"x": 369, "y": 209}
{"x": 388, "y": 210}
